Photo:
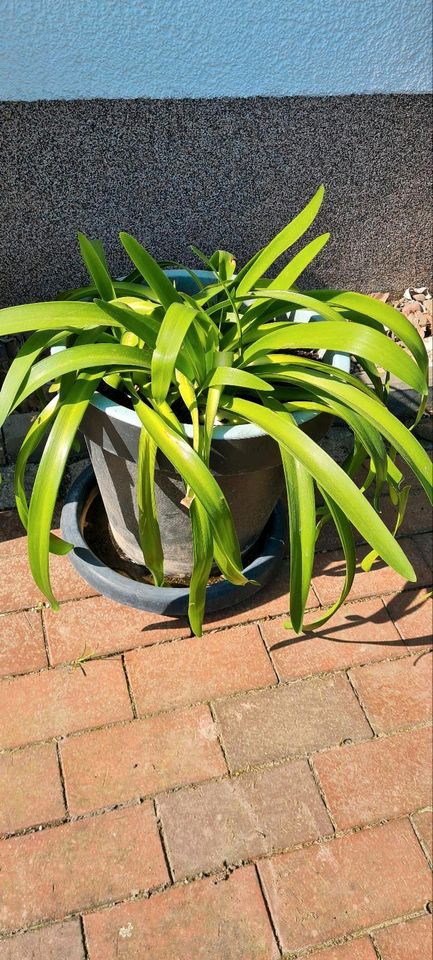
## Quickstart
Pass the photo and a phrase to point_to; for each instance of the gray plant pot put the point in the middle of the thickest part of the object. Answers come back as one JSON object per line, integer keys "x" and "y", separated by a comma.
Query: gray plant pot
{"x": 244, "y": 459}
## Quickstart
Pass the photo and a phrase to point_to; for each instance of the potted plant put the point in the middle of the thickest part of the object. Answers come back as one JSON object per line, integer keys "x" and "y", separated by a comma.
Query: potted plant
{"x": 190, "y": 357}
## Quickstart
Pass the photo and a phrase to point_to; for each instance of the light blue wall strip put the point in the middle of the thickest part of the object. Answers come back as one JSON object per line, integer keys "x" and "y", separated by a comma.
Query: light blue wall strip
{"x": 55, "y": 49}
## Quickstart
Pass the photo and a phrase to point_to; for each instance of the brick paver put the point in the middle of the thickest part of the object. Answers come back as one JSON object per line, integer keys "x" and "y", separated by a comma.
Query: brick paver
{"x": 115, "y": 765}
{"x": 406, "y": 941}
{"x": 17, "y": 589}
{"x": 101, "y": 626}
{"x": 305, "y": 759}
{"x": 329, "y": 574}
{"x": 424, "y": 827}
{"x": 291, "y": 719}
{"x": 200, "y": 668}
{"x": 30, "y": 788}
{"x": 413, "y": 615}
{"x": 21, "y": 643}
{"x": 78, "y": 865}
{"x": 347, "y": 884}
{"x": 358, "y": 633}
{"x": 361, "y": 949}
{"x": 206, "y": 920}
{"x": 55, "y": 702}
{"x": 249, "y": 816}
{"x": 361, "y": 783}
{"x": 396, "y": 693}
{"x": 62, "y": 941}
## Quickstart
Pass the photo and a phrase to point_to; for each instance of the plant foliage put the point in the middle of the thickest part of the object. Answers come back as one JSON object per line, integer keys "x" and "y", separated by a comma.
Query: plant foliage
{"x": 231, "y": 352}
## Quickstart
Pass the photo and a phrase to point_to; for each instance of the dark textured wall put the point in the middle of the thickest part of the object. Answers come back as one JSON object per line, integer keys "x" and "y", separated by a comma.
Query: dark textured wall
{"x": 226, "y": 173}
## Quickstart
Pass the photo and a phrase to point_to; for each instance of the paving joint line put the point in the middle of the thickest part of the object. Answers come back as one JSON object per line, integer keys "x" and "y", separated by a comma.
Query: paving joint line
{"x": 129, "y": 688}
{"x": 62, "y": 777}
{"x": 268, "y": 910}
{"x": 268, "y": 653}
{"x": 421, "y": 842}
{"x": 360, "y": 701}
{"x": 163, "y": 841}
{"x": 86, "y": 954}
{"x": 321, "y": 792}
{"x": 219, "y": 737}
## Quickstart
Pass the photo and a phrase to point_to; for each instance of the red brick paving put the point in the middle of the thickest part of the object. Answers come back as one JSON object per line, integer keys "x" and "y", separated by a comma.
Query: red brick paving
{"x": 100, "y": 626}
{"x": 395, "y": 693}
{"x": 361, "y": 949}
{"x": 379, "y": 779}
{"x": 55, "y": 702}
{"x": 22, "y": 646}
{"x": 57, "y": 871}
{"x": 347, "y": 884}
{"x": 30, "y": 788}
{"x": 291, "y": 719}
{"x": 216, "y": 775}
{"x": 329, "y": 574}
{"x": 201, "y": 668}
{"x": 424, "y": 827}
{"x": 406, "y": 941}
{"x": 249, "y": 816}
{"x": 358, "y": 633}
{"x": 206, "y": 920}
{"x": 115, "y": 765}
{"x": 413, "y": 615}
{"x": 62, "y": 941}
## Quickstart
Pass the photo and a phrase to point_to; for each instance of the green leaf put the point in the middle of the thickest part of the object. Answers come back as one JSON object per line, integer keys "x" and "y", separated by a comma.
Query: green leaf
{"x": 202, "y": 542}
{"x": 96, "y": 267}
{"x": 150, "y": 537}
{"x": 284, "y": 239}
{"x": 233, "y": 377}
{"x": 34, "y": 435}
{"x": 122, "y": 288}
{"x": 386, "y": 316}
{"x": 171, "y": 335}
{"x": 302, "y": 532}
{"x": 150, "y": 270}
{"x": 141, "y": 322}
{"x": 345, "y": 337}
{"x": 329, "y": 476}
{"x": 113, "y": 356}
{"x": 48, "y": 478}
{"x": 380, "y": 417}
{"x": 202, "y": 482}
{"x": 347, "y": 541}
{"x": 21, "y": 366}
{"x": 54, "y": 315}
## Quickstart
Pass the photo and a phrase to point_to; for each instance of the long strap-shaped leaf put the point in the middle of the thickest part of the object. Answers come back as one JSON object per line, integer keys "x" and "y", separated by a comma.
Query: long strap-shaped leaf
{"x": 172, "y": 332}
{"x": 21, "y": 366}
{"x": 202, "y": 541}
{"x": 347, "y": 541}
{"x": 54, "y": 315}
{"x": 330, "y": 476}
{"x": 379, "y": 416}
{"x": 150, "y": 270}
{"x": 113, "y": 356}
{"x": 284, "y": 239}
{"x": 202, "y": 482}
{"x": 96, "y": 267}
{"x": 302, "y": 532}
{"x": 33, "y": 437}
{"x": 48, "y": 478}
{"x": 385, "y": 315}
{"x": 150, "y": 537}
{"x": 122, "y": 288}
{"x": 346, "y": 337}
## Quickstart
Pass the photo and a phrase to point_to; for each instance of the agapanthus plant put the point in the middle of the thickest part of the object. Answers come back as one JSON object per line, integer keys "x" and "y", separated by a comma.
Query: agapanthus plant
{"x": 231, "y": 352}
